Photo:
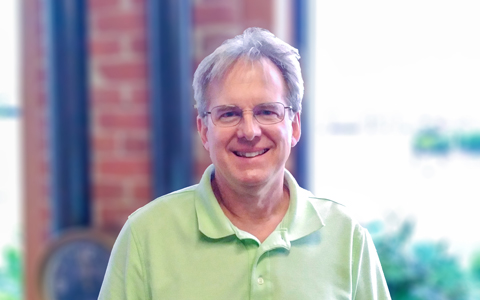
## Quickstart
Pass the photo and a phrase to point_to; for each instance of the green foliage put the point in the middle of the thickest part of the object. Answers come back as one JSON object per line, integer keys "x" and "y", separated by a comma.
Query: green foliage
{"x": 475, "y": 274}
{"x": 475, "y": 268}
{"x": 11, "y": 275}
{"x": 4, "y": 296}
{"x": 421, "y": 270}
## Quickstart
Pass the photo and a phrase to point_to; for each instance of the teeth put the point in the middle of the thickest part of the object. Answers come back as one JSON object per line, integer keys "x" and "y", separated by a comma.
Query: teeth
{"x": 250, "y": 154}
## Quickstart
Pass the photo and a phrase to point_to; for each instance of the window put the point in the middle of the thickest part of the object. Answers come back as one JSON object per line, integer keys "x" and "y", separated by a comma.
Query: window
{"x": 395, "y": 119}
{"x": 10, "y": 192}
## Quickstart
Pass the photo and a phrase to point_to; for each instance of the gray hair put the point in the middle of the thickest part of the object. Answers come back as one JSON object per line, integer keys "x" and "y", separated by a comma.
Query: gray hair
{"x": 254, "y": 44}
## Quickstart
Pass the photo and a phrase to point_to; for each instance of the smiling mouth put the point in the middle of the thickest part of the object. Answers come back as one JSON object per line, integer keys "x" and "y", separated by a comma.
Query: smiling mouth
{"x": 250, "y": 154}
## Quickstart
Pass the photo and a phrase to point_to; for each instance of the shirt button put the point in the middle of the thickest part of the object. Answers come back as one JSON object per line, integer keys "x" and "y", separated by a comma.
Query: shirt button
{"x": 260, "y": 280}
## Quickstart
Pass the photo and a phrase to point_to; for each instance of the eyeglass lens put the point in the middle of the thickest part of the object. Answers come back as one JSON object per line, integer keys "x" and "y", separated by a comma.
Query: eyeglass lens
{"x": 265, "y": 113}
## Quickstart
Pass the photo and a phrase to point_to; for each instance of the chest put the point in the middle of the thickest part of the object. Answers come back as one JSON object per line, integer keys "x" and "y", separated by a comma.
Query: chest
{"x": 241, "y": 269}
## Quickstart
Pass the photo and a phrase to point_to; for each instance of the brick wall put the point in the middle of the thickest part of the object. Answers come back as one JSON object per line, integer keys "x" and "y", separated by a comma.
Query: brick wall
{"x": 120, "y": 136}
{"x": 35, "y": 144}
{"x": 119, "y": 111}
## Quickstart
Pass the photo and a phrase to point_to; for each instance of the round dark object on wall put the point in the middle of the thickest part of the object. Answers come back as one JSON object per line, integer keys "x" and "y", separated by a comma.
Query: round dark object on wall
{"x": 74, "y": 266}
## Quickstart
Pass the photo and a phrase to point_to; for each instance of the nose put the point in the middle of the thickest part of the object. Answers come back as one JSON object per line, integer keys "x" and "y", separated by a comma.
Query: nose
{"x": 248, "y": 127}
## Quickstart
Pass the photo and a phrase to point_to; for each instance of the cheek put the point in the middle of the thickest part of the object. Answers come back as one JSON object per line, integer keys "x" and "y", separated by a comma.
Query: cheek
{"x": 286, "y": 136}
{"x": 217, "y": 141}
{"x": 212, "y": 137}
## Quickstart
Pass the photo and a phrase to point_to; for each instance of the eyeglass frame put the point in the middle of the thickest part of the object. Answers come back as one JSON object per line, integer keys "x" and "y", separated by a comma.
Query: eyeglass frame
{"x": 243, "y": 110}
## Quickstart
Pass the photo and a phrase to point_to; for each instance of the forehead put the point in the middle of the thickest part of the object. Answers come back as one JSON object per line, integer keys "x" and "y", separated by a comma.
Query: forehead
{"x": 248, "y": 82}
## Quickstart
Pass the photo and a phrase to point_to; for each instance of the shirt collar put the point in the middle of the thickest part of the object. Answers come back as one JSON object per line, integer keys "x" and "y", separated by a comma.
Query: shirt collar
{"x": 301, "y": 219}
{"x": 212, "y": 222}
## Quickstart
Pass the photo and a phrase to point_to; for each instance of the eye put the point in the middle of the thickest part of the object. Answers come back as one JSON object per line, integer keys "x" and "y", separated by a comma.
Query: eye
{"x": 229, "y": 114}
{"x": 226, "y": 113}
{"x": 269, "y": 110}
{"x": 266, "y": 112}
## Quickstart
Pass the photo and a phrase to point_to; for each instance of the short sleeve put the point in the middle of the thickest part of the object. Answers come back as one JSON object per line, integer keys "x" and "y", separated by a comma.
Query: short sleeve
{"x": 125, "y": 275}
{"x": 369, "y": 281}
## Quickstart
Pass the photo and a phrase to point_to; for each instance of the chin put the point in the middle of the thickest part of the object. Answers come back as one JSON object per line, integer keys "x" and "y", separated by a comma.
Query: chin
{"x": 250, "y": 174}
{"x": 253, "y": 177}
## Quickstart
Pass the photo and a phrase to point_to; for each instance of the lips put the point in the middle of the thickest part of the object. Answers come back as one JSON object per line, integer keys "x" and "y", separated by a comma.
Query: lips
{"x": 250, "y": 154}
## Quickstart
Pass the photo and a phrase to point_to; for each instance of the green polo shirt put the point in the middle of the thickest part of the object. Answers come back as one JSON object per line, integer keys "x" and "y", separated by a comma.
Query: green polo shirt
{"x": 182, "y": 246}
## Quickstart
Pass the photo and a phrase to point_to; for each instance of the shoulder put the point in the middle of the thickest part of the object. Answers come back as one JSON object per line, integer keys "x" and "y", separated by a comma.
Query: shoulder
{"x": 177, "y": 205}
{"x": 333, "y": 212}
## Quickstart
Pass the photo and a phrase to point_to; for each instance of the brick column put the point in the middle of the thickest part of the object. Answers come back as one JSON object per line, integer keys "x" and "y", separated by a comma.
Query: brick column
{"x": 120, "y": 118}
{"x": 36, "y": 163}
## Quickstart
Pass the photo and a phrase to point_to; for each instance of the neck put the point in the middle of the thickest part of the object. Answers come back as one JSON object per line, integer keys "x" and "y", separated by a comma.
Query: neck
{"x": 257, "y": 210}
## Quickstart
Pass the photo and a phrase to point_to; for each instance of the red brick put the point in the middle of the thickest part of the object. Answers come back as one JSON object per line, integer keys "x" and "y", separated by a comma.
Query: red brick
{"x": 138, "y": 44}
{"x": 142, "y": 192}
{"x": 140, "y": 95}
{"x": 41, "y": 95}
{"x": 114, "y": 217}
{"x": 109, "y": 191}
{"x": 104, "y": 143}
{"x": 116, "y": 120}
{"x": 120, "y": 21}
{"x": 118, "y": 212}
{"x": 41, "y": 74}
{"x": 44, "y": 166}
{"x": 136, "y": 145}
{"x": 214, "y": 2}
{"x": 258, "y": 13}
{"x": 100, "y": 4}
{"x": 138, "y": 2}
{"x": 214, "y": 14}
{"x": 93, "y": 4}
{"x": 211, "y": 42}
{"x": 101, "y": 47}
{"x": 124, "y": 167}
{"x": 45, "y": 213}
{"x": 45, "y": 188}
{"x": 200, "y": 167}
{"x": 42, "y": 143}
{"x": 124, "y": 70}
{"x": 106, "y": 95}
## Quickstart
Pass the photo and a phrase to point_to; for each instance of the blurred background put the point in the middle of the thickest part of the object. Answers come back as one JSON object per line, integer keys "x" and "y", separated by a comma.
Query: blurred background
{"x": 97, "y": 119}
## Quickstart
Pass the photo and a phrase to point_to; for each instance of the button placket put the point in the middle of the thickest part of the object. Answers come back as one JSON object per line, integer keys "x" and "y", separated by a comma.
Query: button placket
{"x": 261, "y": 285}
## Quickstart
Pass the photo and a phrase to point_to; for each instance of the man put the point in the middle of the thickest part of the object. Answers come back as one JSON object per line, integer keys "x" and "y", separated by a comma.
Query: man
{"x": 247, "y": 230}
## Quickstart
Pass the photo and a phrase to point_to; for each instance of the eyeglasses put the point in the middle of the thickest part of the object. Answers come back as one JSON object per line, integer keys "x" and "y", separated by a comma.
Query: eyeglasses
{"x": 230, "y": 115}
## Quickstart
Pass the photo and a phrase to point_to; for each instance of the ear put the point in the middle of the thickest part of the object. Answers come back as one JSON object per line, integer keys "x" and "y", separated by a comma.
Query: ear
{"x": 296, "y": 129}
{"x": 202, "y": 131}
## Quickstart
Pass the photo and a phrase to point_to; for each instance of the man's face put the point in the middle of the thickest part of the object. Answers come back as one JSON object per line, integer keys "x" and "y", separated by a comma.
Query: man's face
{"x": 249, "y": 153}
